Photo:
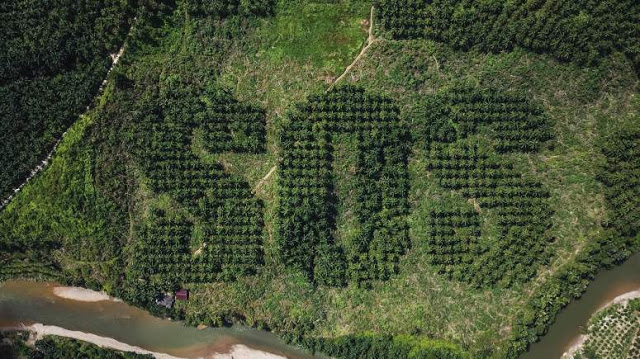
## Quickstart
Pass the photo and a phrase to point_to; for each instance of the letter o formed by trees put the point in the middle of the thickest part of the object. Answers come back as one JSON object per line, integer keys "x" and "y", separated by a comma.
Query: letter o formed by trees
{"x": 307, "y": 205}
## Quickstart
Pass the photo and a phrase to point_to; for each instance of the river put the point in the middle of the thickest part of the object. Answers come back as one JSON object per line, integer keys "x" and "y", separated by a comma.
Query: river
{"x": 31, "y": 302}
{"x": 568, "y": 326}
{"x": 28, "y": 303}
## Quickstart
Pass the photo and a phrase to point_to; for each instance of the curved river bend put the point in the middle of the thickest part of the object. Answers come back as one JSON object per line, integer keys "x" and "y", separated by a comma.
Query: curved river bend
{"x": 573, "y": 319}
{"x": 27, "y": 303}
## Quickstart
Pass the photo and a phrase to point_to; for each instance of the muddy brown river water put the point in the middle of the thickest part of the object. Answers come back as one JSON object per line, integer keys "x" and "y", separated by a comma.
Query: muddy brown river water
{"x": 573, "y": 319}
{"x": 28, "y": 303}
{"x": 24, "y": 302}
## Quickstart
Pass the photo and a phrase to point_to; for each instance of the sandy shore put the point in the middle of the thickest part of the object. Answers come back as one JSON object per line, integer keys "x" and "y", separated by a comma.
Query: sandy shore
{"x": 624, "y": 298}
{"x": 238, "y": 351}
{"x": 575, "y": 347}
{"x": 41, "y": 330}
{"x": 82, "y": 294}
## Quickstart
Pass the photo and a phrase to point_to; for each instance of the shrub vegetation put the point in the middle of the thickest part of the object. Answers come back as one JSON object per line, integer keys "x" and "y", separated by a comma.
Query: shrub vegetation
{"x": 615, "y": 245}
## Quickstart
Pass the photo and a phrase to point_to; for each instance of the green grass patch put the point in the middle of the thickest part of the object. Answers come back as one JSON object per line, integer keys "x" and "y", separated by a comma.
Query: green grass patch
{"x": 327, "y": 35}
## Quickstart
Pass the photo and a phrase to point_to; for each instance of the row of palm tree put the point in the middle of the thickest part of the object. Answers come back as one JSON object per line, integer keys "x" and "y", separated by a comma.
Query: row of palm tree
{"x": 581, "y": 31}
{"x": 476, "y": 171}
{"x": 621, "y": 176}
{"x": 306, "y": 211}
{"x": 229, "y": 217}
{"x": 55, "y": 54}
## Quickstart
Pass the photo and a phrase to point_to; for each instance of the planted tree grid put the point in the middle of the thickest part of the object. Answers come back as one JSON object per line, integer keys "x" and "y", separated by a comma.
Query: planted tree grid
{"x": 458, "y": 160}
{"x": 224, "y": 207}
{"x": 306, "y": 211}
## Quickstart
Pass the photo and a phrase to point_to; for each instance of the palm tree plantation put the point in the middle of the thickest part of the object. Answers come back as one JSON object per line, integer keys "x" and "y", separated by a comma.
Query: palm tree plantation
{"x": 348, "y": 179}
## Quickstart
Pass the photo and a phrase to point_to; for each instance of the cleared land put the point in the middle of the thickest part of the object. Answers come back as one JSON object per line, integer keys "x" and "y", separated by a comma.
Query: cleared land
{"x": 211, "y": 220}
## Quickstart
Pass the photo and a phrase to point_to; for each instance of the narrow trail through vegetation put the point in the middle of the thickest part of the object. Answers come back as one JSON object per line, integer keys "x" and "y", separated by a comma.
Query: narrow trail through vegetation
{"x": 264, "y": 179}
{"x": 115, "y": 58}
{"x": 370, "y": 40}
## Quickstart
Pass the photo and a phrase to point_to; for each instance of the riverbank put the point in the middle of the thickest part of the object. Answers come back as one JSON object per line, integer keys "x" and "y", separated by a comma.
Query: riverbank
{"x": 39, "y": 331}
{"x": 565, "y": 333}
{"x": 577, "y": 346}
{"x": 82, "y": 294}
{"x": 623, "y": 299}
{"x": 46, "y": 308}
{"x": 582, "y": 339}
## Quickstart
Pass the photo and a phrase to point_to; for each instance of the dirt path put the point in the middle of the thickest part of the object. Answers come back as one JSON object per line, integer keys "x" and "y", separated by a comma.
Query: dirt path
{"x": 115, "y": 58}
{"x": 370, "y": 40}
{"x": 264, "y": 179}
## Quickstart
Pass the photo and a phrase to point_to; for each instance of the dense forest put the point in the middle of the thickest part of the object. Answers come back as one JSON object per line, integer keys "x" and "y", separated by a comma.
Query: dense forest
{"x": 154, "y": 137}
{"x": 53, "y": 57}
{"x": 475, "y": 170}
{"x": 387, "y": 346}
{"x": 584, "y": 31}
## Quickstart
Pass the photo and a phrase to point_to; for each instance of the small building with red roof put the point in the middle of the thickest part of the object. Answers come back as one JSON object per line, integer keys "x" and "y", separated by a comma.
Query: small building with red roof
{"x": 182, "y": 294}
